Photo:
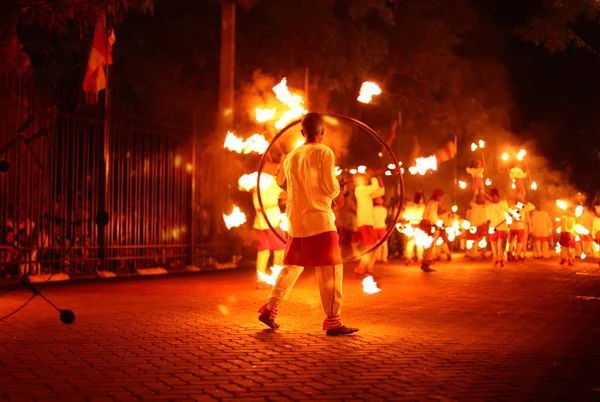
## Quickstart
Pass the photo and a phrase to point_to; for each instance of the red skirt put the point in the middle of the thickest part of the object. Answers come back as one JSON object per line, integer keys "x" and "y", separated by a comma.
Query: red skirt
{"x": 367, "y": 236}
{"x": 566, "y": 239}
{"x": 313, "y": 251}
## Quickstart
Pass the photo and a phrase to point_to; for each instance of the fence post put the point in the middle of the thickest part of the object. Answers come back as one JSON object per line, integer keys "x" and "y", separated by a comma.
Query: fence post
{"x": 192, "y": 220}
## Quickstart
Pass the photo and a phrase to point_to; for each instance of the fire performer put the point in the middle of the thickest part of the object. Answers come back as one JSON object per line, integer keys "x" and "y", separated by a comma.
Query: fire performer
{"x": 313, "y": 242}
{"x": 477, "y": 218}
{"x": 427, "y": 225}
{"x": 413, "y": 215}
{"x": 365, "y": 193}
{"x": 496, "y": 214}
{"x": 519, "y": 230}
{"x": 541, "y": 226}
{"x": 477, "y": 171}
{"x": 566, "y": 238}
{"x": 517, "y": 175}
{"x": 267, "y": 241}
{"x": 596, "y": 230}
{"x": 380, "y": 214}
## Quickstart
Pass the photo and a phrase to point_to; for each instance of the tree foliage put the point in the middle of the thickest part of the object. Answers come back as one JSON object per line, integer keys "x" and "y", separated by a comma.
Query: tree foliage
{"x": 556, "y": 25}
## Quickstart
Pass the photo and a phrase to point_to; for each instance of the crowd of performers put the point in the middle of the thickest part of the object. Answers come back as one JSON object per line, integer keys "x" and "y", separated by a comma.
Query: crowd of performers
{"x": 503, "y": 227}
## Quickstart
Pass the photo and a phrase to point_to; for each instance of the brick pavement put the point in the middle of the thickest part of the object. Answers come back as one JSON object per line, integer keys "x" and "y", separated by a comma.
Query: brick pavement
{"x": 464, "y": 333}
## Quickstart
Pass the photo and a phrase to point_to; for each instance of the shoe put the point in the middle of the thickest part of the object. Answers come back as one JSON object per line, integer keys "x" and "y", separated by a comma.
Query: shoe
{"x": 341, "y": 331}
{"x": 571, "y": 262}
{"x": 562, "y": 262}
{"x": 427, "y": 268}
{"x": 265, "y": 318}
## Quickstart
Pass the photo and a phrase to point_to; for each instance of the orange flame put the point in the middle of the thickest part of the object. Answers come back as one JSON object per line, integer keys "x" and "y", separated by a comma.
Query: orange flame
{"x": 264, "y": 115}
{"x": 270, "y": 279}
{"x": 247, "y": 182}
{"x": 235, "y": 219}
{"x": 423, "y": 165}
{"x": 255, "y": 143}
{"x": 369, "y": 286}
{"x": 368, "y": 89}
{"x": 293, "y": 101}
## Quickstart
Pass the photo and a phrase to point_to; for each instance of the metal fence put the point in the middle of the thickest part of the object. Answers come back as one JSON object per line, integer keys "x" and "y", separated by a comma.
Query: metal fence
{"x": 54, "y": 182}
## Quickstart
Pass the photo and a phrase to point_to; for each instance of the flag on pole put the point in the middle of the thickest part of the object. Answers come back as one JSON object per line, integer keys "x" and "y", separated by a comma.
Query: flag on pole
{"x": 100, "y": 56}
{"x": 446, "y": 153}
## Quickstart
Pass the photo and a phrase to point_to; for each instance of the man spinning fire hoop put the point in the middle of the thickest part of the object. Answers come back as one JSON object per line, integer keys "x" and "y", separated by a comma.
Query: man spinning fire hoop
{"x": 313, "y": 240}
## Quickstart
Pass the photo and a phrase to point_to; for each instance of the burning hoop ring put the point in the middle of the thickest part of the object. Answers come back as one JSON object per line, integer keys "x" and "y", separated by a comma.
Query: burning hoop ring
{"x": 373, "y": 134}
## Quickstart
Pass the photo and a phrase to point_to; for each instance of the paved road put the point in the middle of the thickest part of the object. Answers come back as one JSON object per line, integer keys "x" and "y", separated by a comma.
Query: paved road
{"x": 465, "y": 333}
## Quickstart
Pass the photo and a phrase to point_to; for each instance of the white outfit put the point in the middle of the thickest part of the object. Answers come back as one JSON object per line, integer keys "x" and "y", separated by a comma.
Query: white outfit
{"x": 541, "y": 227}
{"x": 270, "y": 199}
{"x": 379, "y": 217}
{"x": 496, "y": 215}
{"x": 413, "y": 214}
{"x": 312, "y": 185}
{"x": 431, "y": 215}
{"x": 364, "y": 202}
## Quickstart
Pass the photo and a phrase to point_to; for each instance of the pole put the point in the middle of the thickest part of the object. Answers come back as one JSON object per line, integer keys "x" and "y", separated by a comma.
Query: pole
{"x": 227, "y": 67}
{"x": 306, "y": 90}
{"x": 103, "y": 198}
{"x": 192, "y": 215}
{"x": 455, "y": 169}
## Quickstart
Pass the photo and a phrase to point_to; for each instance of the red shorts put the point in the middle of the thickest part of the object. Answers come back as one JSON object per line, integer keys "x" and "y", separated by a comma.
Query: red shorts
{"x": 380, "y": 233}
{"x": 518, "y": 234}
{"x": 313, "y": 251}
{"x": 498, "y": 235}
{"x": 355, "y": 238}
{"x": 268, "y": 241}
{"x": 481, "y": 231}
{"x": 541, "y": 238}
{"x": 367, "y": 235}
{"x": 566, "y": 239}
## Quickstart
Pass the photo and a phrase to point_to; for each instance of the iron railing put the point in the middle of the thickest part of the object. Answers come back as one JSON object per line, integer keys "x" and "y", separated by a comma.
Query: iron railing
{"x": 158, "y": 187}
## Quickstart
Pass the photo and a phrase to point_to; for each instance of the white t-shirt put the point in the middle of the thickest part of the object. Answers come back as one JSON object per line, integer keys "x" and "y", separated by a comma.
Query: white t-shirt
{"x": 567, "y": 224}
{"x": 477, "y": 216}
{"x": 312, "y": 185}
{"x": 364, "y": 202}
{"x": 270, "y": 199}
{"x": 495, "y": 213}
{"x": 431, "y": 212}
{"x": 541, "y": 225}
{"x": 379, "y": 217}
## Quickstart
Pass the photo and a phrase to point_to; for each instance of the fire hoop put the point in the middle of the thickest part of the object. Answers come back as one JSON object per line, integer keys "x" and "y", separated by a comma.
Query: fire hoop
{"x": 373, "y": 133}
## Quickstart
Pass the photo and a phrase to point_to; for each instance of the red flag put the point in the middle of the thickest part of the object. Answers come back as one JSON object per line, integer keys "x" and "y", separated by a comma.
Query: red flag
{"x": 446, "y": 153}
{"x": 100, "y": 56}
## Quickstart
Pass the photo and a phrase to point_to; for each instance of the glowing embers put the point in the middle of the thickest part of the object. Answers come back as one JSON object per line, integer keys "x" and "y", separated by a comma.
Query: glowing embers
{"x": 368, "y": 89}
{"x": 255, "y": 143}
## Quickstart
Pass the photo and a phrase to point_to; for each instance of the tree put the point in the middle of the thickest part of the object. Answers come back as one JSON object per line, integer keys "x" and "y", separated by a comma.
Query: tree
{"x": 59, "y": 17}
{"x": 559, "y": 23}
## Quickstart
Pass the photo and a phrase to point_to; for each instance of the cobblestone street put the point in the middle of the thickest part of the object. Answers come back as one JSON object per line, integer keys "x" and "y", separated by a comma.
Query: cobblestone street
{"x": 528, "y": 332}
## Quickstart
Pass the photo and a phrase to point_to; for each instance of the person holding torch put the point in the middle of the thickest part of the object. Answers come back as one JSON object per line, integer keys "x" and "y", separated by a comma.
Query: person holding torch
{"x": 313, "y": 241}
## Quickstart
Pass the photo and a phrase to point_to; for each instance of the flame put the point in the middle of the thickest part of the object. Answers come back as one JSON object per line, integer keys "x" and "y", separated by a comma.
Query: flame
{"x": 369, "y": 286}
{"x": 454, "y": 208}
{"x": 462, "y": 184}
{"x": 388, "y": 173}
{"x": 439, "y": 241}
{"x": 534, "y": 186}
{"x": 473, "y": 147}
{"x": 264, "y": 115}
{"x": 583, "y": 256}
{"x": 293, "y": 101}
{"x": 235, "y": 219}
{"x": 423, "y": 165}
{"x": 256, "y": 143}
{"x": 481, "y": 144}
{"x": 283, "y": 224}
{"x": 557, "y": 248}
{"x": 361, "y": 169}
{"x": 352, "y": 171}
{"x": 488, "y": 182}
{"x": 368, "y": 89}
{"x": 470, "y": 244}
{"x": 579, "y": 211}
{"x": 505, "y": 156}
{"x": 514, "y": 186}
{"x": 581, "y": 230}
{"x": 247, "y": 182}
{"x": 466, "y": 225}
{"x": 270, "y": 279}
{"x": 391, "y": 166}
{"x": 521, "y": 154}
{"x": 338, "y": 171}
{"x": 562, "y": 204}
{"x": 482, "y": 243}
